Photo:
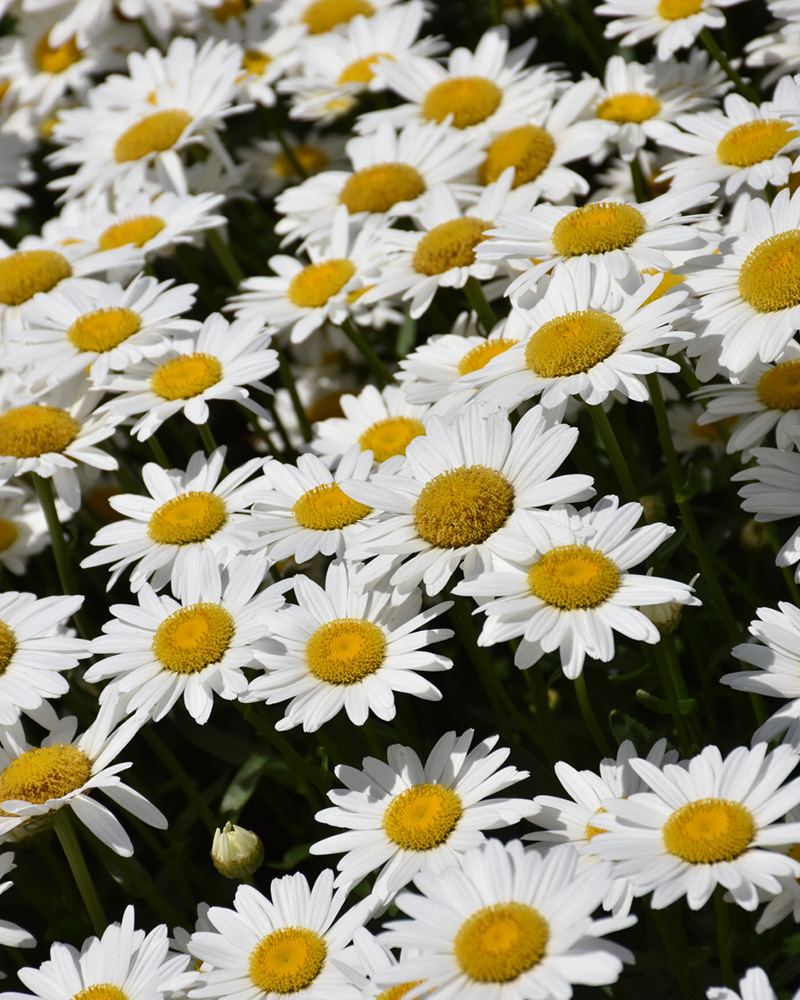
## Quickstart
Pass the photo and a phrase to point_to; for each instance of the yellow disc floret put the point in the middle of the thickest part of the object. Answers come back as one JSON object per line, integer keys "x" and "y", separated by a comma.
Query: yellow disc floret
{"x": 573, "y": 576}
{"x": 469, "y": 99}
{"x": 310, "y": 158}
{"x": 631, "y": 107}
{"x": 391, "y": 436}
{"x": 754, "y": 142}
{"x": 31, "y": 431}
{"x": 8, "y": 534}
{"x": 668, "y": 280}
{"x": 326, "y": 508}
{"x": 676, "y": 10}
{"x": 345, "y": 651}
{"x": 500, "y": 942}
{"x": 44, "y": 773}
{"x": 8, "y": 645}
{"x": 709, "y": 830}
{"x": 103, "y": 329}
{"x": 361, "y": 70}
{"x": 399, "y": 991}
{"x": 450, "y": 244}
{"x": 769, "y": 279}
{"x": 779, "y": 387}
{"x": 255, "y": 62}
{"x": 152, "y": 134}
{"x": 227, "y": 9}
{"x": 101, "y": 991}
{"x": 378, "y": 188}
{"x": 316, "y": 284}
{"x": 527, "y": 148}
{"x": 481, "y": 355}
{"x": 323, "y": 15}
{"x": 422, "y": 817}
{"x": 193, "y": 637}
{"x": 27, "y": 272}
{"x": 191, "y": 517}
{"x": 186, "y": 376}
{"x": 55, "y": 60}
{"x": 598, "y": 228}
{"x": 137, "y": 230}
{"x": 287, "y": 960}
{"x": 573, "y": 343}
{"x": 463, "y": 506}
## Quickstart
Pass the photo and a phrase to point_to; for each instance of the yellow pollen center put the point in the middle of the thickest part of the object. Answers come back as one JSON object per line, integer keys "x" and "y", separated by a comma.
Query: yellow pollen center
{"x": 101, "y": 991}
{"x": 598, "y": 228}
{"x": 326, "y": 508}
{"x": 481, "y": 355}
{"x": 399, "y": 991}
{"x": 8, "y": 645}
{"x": 56, "y": 60}
{"x": 592, "y": 831}
{"x": 345, "y": 651}
{"x": 450, "y": 244}
{"x": 469, "y": 99}
{"x": 103, "y": 329}
{"x": 668, "y": 280}
{"x": 186, "y": 376}
{"x": 500, "y": 942}
{"x": 255, "y": 62}
{"x": 8, "y": 534}
{"x": 675, "y": 10}
{"x": 287, "y": 960}
{"x": 573, "y": 343}
{"x": 311, "y": 158}
{"x": 27, "y": 272}
{"x": 631, "y": 107}
{"x": 323, "y": 15}
{"x": 709, "y": 830}
{"x": 193, "y": 637}
{"x": 422, "y": 817}
{"x": 192, "y": 517}
{"x": 779, "y": 387}
{"x": 528, "y": 149}
{"x": 753, "y": 142}
{"x": 769, "y": 279}
{"x": 573, "y": 576}
{"x": 361, "y": 70}
{"x": 152, "y": 134}
{"x": 463, "y": 507}
{"x": 227, "y": 9}
{"x": 316, "y": 284}
{"x": 31, "y": 431}
{"x": 138, "y": 230}
{"x": 378, "y": 188}
{"x": 44, "y": 773}
{"x": 390, "y": 437}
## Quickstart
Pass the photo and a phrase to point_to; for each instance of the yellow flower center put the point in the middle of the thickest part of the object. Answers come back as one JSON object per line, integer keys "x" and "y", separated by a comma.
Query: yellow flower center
{"x": 422, "y": 817}
{"x": 326, "y": 508}
{"x": 8, "y": 534}
{"x": 361, "y": 70}
{"x": 323, "y": 15}
{"x": 450, "y": 244}
{"x": 8, "y": 645}
{"x": 573, "y": 343}
{"x": 528, "y": 149}
{"x": 44, "y": 773}
{"x": 463, "y": 507}
{"x": 287, "y": 960}
{"x": 668, "y": 280}
{"x": 753, "y": 142}
{"x": 770, "y": 276}
{"x": 255, "y": 62}
{"x": 675, "y": 10}
{"x": 573, "y": 576}
{"x": 186, "y": 376}
{"x": 193, "y": 637}
{"x": 469, "y": 99}
{"x": 500, "y": 942}
{"x": 138, "y": 231}
{"x": 345, "y": 651}
{"x": 377, "y": 188}
{"x": 481, "y": 355}
{"x": 779, "y": 387}
{"x": 49, "y": 60}
{"x": 598, "y": 228}
{"x": 192, "y": 517}
{"x": 31, "y": 431}
{"x": 102, "y": 991}
{"x": 390, "y": 437}
{"x": 152, "y": 134}
{"x": 399, "y": 991}
{"x": 310, "y": 158}
{"x": 592, "y": 831}
{"x": 325, "y": 407}
{"x": 316, "y": 284}
{"x": 709, "y": 830}
{"x": 631, "y": 107}
{"x": 227, "y": 9}
{"x": 103, "y": 329}
{"x": 27, "y": 272}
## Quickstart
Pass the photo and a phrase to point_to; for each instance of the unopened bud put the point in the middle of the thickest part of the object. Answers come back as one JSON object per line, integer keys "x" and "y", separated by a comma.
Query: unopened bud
{"x": 666, "y": 617}
{"x": 753, "y": 536}
{"x": 653, "y": 508}
{"x": 236, "y": 852}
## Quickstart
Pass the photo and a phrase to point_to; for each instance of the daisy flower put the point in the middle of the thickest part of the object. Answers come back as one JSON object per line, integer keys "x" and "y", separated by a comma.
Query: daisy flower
{"x": 508, "y": 924}
{"x": 164, "y": 650}
{"x": 706, "y": 822}
{"x": 672, "y": 24}
{"x": 464, "y": 494}
{"x": 11, "y": 935}
{"x": 773, "y": 495}
{"x": 291, "y": 943}
{"x": 321, "y": 16}
{"x": 215, "y": 362}
{"x": 754, "y": 985}
{"x": 406, "y": 817}
{"x": 187, "y": 513}
{"x": 573, "y": 596}
{"x": 271, "y": 170}
{"x": 23, "y": 528}
{"x": 788, "y": 899}
{"x": 348, "y": 649}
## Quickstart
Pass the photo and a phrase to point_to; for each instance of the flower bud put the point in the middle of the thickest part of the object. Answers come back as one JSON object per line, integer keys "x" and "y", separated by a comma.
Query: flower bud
{"x": 666, "y": 617}
{"x": 236, "y": 852}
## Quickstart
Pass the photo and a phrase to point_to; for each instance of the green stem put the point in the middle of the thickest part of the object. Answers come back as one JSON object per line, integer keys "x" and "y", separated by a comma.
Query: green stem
{"x": 379, "y": 370}
{"x": 289, "y": 754}
{"x": 285, "y": 145}
{"x": 716, "y": 52}
{"x": 285, "y": 372}
{"x": 72, "y": 850}
{"x": 640, "y": 188}
{"x": 672, "y": 696}
{"x": 186, "y": 783}
{"x": 224, "y": 255}
{"x": 209, "y": 443}
{"x": 582, "y": 38}
{"x": 44, "y": 491}
{"x": 158, "y": 452}
{"x": 667, "y": 646}
{"x": 478, "y": 301}
{"x": 590, "y": 718}
{"x": 724, "y": 938}
{"x": 550, "y": 735}
{"x": 677, "y": 955}
{"x": 608, "y": 437}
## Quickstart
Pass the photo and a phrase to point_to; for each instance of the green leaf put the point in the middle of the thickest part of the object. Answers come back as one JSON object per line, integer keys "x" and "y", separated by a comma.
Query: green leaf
{"x": 653, "y": 702}
{"x": 245, "y": 782}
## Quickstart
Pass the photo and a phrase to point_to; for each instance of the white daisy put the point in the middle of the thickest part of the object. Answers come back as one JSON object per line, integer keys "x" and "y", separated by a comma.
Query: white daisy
{"x": 23, "y": 528}
{"x": 11, "y": 935}
{"x": 672, "y": 24}
{"x": 271, "y": 170}
{"x": 773, "y": 495}
{"x": 321, "y": 16}
{"x": 754, "y": 985}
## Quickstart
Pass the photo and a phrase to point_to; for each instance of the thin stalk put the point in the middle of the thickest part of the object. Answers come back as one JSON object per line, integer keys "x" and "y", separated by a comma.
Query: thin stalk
{"x": 640, "y": 188}
{"x": 580, "y": 35}
{"x": 550, "y": 735}
{"x": 716, "y": 52}
{"x": 677, "y": 955}
{"x": 224, "y": 255}
{"x": 77, "y": 863}
{"x": 608, "y": 437}
{"x": 587, "y": 711}
{"x": 285, "y": 372}
{"x": 670, "y": 651}
{"x": 724, "y": 942}
{"x": 285, "y": 145}
{"x": 379, "y": 370}
{"x": 158, "y": 452}
{"x": 209, "y": 443}
{"x": 186, "y": 783}
{"x": 478, "y": 301}
{"x": 671, "y": 692}
{"x": 287, "y": 751}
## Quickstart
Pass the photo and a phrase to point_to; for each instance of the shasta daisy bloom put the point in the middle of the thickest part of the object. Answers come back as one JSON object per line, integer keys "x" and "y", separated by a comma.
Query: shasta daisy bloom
{"x": 706, "y": 822}
{"x": 347, "y": 649}
{"x": 773, "y": 495}
{"x": 406, "y": 817}
{"x": 754, "y": 985}
{"x": 217, "y": 361}
{"x": 292, "y": 943}
{"x": 672, "y": 24}
{"x": 787, "y": 900}
{"x": 464, "y": 494}
{"x": 164, "y": 650}
{"x": 11, "y": 935}
{"x": 573, "y": 596}
{"x": 508, "y": 924}
{"x": 23, "y": 528}
{"x": 321, "y": 16}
